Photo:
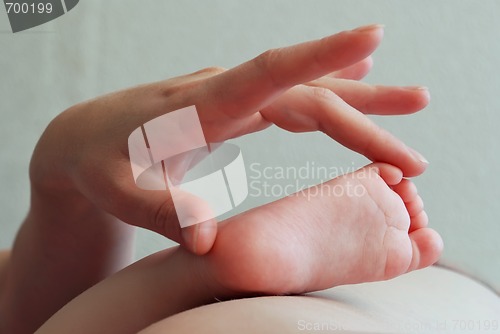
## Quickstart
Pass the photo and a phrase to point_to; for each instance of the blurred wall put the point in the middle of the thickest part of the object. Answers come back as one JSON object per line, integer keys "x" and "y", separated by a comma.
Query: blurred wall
{"x": 450, "y": 46}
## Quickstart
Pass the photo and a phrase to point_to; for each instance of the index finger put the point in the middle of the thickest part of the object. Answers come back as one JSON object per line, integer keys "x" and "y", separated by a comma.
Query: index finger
{"x": 250, "y": 86}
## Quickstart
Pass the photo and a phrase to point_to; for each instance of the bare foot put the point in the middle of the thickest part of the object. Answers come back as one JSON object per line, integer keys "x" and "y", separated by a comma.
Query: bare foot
{"x": 365, "y": 226}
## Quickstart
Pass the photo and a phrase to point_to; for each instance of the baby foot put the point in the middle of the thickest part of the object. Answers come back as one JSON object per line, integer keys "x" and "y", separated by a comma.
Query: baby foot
{"x": 365, "y": 226}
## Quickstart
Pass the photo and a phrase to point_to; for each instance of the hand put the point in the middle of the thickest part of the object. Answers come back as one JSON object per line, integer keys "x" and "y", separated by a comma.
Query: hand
{"x": 307, "y": 87}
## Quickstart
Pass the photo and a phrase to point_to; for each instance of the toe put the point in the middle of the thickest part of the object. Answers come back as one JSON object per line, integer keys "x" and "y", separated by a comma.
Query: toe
{"x": 427, "y": 247}
{"x": 406, "y": 190}
{"x": 419, "y": 221}
{"x": 391, "y": 175}
{"x": 415, "y": 207}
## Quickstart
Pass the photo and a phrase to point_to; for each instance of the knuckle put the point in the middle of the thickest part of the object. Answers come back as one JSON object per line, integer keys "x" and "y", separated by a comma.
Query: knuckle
{"x": 164, "y": 217}
{"x": 324, "y": 101}
{"x": 265, "y": 64}
{"x": 265, "y": 58}
{"x": 211, "y": 70}
{"x": 323, "y": 94}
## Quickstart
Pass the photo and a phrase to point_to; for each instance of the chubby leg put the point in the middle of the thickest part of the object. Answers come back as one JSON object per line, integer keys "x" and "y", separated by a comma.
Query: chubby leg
{"x": 349, "y": 230}
{"x": 427, "y": 301}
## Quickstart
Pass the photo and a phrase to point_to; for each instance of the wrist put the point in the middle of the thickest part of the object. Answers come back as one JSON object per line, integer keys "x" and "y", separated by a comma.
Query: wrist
{"x": 53, "y": 192}
{"x": 51, "y": 160}
{"x": 58, "y": 205}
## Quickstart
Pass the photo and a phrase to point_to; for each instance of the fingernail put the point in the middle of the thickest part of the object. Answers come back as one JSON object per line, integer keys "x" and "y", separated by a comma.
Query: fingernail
{"x": 186, "y": 235}
{"x": 190, "y": 237}
{"x": 189, "y": 221}
{"x": 417, "y": 88}
{"x": 419, "y": 156}
{"x": 369, "y": 27}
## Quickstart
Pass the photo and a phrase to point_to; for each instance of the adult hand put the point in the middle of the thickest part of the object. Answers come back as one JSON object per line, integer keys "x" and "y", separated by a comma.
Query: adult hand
{"x": 307, "y": 87}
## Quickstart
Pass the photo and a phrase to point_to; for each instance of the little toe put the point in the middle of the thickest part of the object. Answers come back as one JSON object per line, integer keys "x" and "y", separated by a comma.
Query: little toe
{"x": 427, "y": 247}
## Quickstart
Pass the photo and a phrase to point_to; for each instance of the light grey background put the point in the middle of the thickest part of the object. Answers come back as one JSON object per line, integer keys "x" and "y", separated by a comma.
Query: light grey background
{"x": 453, "y": 47}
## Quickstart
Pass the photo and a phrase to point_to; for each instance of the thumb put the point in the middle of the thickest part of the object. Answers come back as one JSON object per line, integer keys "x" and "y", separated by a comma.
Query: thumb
{"x": 176, "y": 214}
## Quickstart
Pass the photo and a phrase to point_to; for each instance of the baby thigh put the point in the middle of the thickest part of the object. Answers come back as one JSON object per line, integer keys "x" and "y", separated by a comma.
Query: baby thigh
{"x": 275, "y": 314}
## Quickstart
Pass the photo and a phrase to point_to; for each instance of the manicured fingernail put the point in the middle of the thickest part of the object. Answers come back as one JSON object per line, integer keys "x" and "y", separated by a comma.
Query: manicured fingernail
{"x": 369, "y": 28}
{"x": 419, "y": 156}
{"x": 417, "y": 88}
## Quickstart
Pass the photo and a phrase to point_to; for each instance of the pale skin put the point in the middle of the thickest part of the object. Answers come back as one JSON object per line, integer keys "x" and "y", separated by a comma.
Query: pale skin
{"x": 286, "y": 247}
{"x": 83, "y": 191}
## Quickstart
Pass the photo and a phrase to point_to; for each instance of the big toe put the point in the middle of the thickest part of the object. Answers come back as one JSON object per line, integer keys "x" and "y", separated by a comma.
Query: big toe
{"x": 391, "y": 175}
{"x": 427, "y": 247}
